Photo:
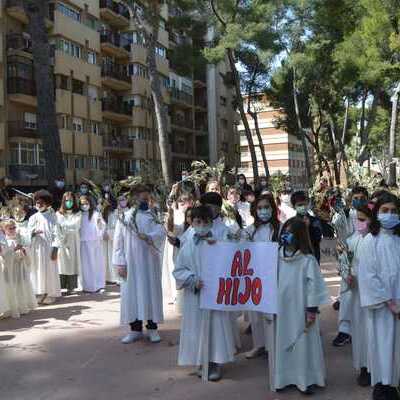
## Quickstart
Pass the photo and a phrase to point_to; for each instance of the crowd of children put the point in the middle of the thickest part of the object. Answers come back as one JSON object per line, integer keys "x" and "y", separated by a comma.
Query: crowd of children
{"x": 158, "y": 259}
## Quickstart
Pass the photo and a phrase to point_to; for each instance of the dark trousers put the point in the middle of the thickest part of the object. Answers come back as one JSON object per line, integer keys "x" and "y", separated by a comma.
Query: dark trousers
{"x": 137, "y": 326}
{"x": 69, "y": 282}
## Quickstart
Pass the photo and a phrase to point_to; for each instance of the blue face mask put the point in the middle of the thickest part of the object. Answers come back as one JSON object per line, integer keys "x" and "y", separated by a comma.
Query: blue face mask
{"x": 143, "y": 206}
{"x": 356, "y": 203}
{"x": 265, "y": 214}
{"x": 287, "y": 239}
{"x": 389, "y": 221}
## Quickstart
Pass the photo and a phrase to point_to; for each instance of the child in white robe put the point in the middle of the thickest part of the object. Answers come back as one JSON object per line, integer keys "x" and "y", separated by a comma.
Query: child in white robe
{"x": 176, "y": 226}
{"x": 137, "y": 256}
{"x": 92, "y": 256}
{"x": 264, "y": 229}
{"x": 207, "y": 338}
{"x": 46, "y": 238}
{"x": 379, "y": 283}
{"x": 299, "y": 356}
{"x": 16, "y": 269}
{"x": 358, "y": 315}
{"x": 110, "y": 217}
{"x": 69, "y": 254}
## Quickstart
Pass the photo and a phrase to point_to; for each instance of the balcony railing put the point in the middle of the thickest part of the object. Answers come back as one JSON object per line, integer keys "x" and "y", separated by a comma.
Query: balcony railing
{"x": 27, "y": 172}
{"x": 115, "y": 71}
{"x": 22, "y": 129}
{"x": 118, "y": 8}
{"x": 20, "y": 4}
{"x": 116, "y": 106}
{"x": 21, "y": 86}
{"x": 115, "y": 38}
{"x": 180, "y": 121}
{"x": 179, "y": 95}
{"x": 117, "y": 142}
{"x": 200, "y": 101}
{"x": 19, "y": 41}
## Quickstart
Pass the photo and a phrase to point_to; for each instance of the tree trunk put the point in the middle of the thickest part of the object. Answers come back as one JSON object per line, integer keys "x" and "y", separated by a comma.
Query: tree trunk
{"x": 239, "y": 99}
{"x": 159, "y": 106}
{"x": 37, "y": 11}
{"x": 301, "y": 132}
{"x": 343, "y": 155}
{"x": 392, "y": 142}
{"x": 364, "y": 151}
{"x": 333, "y": 154}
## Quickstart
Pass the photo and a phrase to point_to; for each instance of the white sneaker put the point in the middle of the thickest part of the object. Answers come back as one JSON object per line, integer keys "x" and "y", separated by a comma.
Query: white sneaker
{"x": 49, "y": 300}
{"x": 154, "y": 337}
{"x": 132, "y": 337}
{"x": 255, "y": 353}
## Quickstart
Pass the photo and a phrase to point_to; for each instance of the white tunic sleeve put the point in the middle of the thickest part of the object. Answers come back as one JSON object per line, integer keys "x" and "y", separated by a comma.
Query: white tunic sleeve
{"x": 119, "y": 257}
{"x": 183, "y": 272}
{"x": 374, "y": 290}
{"x": 317, "y": 293}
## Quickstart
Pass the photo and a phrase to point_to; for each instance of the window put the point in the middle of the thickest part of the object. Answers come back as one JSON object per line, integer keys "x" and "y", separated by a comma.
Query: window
{"x": 161, "y": 51}
{"x": 20, "y": 69}
{"x": 137, "y": 38}
{"x": 134, "y": 166}
{"x": 139, "y": 133}
{"x": 135, "y": 100}
{"x": 62, "y": 82}
{"x": 30, "y": 121}
{"x": 91, "y": 57}
{"x": 91, "y": 22}
{"x": 79, "y": 162}
{"x": 162, "y": 24}
{"x": 165, "y": 81}
{"x": 95, "y": 128}
{"x": 222, "y": 101}
{"x": 92, "y": 93}
{"x": 77, "y": 124}
{"x": 69, "y": 12}
{"x": 26, "y": 154}
{"x": 69, "y": 48}
{"x": 77, "y": 86}
{"x": 138, "y": 70}
{"x": 187, "y": 89}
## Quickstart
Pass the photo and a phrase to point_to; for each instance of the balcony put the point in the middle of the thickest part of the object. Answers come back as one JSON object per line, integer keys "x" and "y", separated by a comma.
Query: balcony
{"x": 183, "y": 98}
{"x": 22, "y": 91}
{"x": 114, "y": 45}
{"x": 15, "y": 9}
{"x": 28, "y": 175}
{"x": 117, "y": 143}
{"x": 19, "y": 44}
{"x": 200, "y": 101}
{"x": 115, "y": 76}
{"x": 116, "y": 14}
{"x": 116, "y": 110}
{"x": 21, "y": 129}
{"x": 180, "y": 122}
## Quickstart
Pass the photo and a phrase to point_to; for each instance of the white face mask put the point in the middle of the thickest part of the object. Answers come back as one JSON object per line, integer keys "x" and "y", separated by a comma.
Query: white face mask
{"x": 202, "y": 230}
{"x": 60, "y": 184}
{"x": 41, "y": 208}
{"x": 85, "y": 207}
{"x": 285, "y": 198}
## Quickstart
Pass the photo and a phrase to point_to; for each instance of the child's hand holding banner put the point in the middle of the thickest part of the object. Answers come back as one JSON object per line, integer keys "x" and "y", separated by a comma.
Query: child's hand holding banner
{"x": 240, "y": 277}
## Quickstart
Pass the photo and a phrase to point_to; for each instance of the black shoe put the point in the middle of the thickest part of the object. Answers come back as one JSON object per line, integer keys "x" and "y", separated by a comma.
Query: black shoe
{"x": 341, "y": 339}
{"x": 392, "y": 393}
{"x": 336, "y": 305}
{"x": 379, "y": 392}
{"x": 364, "y": 379}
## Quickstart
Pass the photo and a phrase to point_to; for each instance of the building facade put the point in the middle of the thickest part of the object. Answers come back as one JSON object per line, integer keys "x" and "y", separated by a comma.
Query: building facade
{"x": 103, "y": 97}
{"x": 283, "y": 151}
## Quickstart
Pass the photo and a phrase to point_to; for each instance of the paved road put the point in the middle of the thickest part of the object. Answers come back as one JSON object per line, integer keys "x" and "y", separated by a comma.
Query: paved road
{"x": 71, "y": 351}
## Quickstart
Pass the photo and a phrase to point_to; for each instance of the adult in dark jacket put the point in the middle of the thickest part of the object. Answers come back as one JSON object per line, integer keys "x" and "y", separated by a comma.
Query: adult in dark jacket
{"x": 243, "y": 186}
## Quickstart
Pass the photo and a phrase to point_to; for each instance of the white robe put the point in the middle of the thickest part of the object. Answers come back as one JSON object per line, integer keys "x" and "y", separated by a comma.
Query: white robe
{"x": 206, "y": 336}
{"x": 93, "y": 265}
{"x": 111, "y": 273}
{"x": 244, "y": 208}
{"x": 259, "y": 322}
{"x": 358, "y": 315}
{"x": 286, "y": 212}
{"x": 45, "y": 278}
{"x": 4, "y": 303}
{"x": 344, "y": 228}
{"x": 16, "y": 267}
{"x": 168, "y": 260}
{"x": 300, "y": 285}
{"x": 379, "y": 282}
{"x": 141, "y": 292}
{"x": 69, "y": 254}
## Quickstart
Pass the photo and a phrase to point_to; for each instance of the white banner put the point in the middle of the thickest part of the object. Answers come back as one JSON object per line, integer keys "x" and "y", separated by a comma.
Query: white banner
{"x": 240, "y": 277}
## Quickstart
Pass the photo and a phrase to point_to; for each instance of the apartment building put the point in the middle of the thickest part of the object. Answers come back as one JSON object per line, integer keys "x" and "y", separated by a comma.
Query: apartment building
{"x": 103, "y": 98}
{"x": 283, "y": 151}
